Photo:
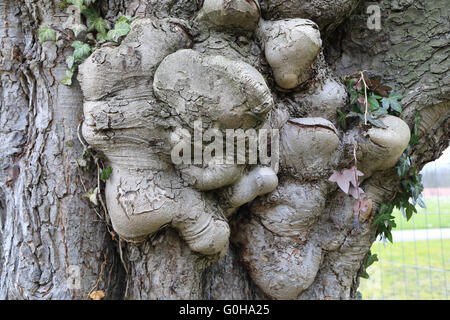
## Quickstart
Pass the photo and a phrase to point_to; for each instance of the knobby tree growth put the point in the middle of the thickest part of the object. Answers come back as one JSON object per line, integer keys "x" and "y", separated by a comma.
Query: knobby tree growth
{"x": 96, "y": 96}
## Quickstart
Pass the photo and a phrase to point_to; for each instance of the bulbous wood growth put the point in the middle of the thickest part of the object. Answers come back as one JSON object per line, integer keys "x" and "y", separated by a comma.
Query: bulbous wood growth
{"x": 160, "y": 85}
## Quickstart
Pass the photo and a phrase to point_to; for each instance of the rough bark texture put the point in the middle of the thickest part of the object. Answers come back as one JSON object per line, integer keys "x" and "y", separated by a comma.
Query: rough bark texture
{"x": 47, "y": 226}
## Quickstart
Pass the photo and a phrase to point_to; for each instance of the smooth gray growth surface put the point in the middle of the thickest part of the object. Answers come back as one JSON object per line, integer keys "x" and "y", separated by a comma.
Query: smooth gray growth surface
{"x": 206, "y": 230}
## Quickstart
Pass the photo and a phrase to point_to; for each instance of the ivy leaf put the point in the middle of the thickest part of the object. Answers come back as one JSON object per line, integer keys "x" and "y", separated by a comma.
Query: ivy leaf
{"x": 90, "y": 13}
{"x": 379, "y": 218}
{"x": 392, "y": 102}
{"x": 373, "y": 102}
{"x": 371, "y": 259}
{"x": 120, "y": 29}
{"x": 70, "y": 61}
{"x": 354, "y": 95}
{"x": 82, "y": 50}
{"x": 101, "y": 38}
{"x": 421, "y": 202}
{"x": 345, "y": 178}
{"x": 410, "y": 210}
{"x": 364, "y": 274}
{"x": 379, "y": 88}
{"x": 342, "y": 116}
{"x": 67, "y": 80}
{"x": 376, "y": 122}
{"x": 106, "y": 173}
{"x": 124, "y": 18}
{"x": 46, "y": 34}
{"x": 403, "y": 166}
{"x": 92, "y": 196}
{"x": 379, "y": 113}
{"x": 388, "y": 235}
{"x": 100, "y": 25}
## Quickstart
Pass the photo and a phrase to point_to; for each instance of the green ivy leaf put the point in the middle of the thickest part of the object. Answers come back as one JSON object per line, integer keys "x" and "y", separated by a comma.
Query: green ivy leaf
{"x": 100, "y": 25}
{"x": 90, "y": 13}
{"x": 70, "y": 61}
{"x": 82, "y": 50}
{"x": 120, "y": 29}
{"x": 373, "y": 102}
{"x": 364, "y": 274}
{"x": 392, "y": 102}
{"x": 388, "y": 235}
{"x": 67, "y": 80}
{"x": 375, "y": 122}
{"x": 101, "y": 38}
{"x": 125, "y": 18}
{"x": 342, "y": 119}
{"x": 106, "y": 173}
{"x": 46, "y": 34}
{"x": 371, "y": 259}
{"x": 354, "y": 95}
{"x": 410, "y": 209}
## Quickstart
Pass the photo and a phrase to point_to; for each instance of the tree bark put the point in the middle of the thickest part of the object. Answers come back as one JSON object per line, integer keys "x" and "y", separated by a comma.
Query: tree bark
{"x": 48, "y": 226}
{"x": 48, "y": 229}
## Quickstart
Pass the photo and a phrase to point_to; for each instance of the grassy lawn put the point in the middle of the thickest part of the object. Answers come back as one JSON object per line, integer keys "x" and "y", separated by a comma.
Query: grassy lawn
{"x": 428, "y": 218}
{"x": 422, "y": 278}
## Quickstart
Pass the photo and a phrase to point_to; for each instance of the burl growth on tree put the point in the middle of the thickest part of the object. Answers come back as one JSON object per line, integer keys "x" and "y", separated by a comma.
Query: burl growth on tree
{"x": 164, "y": 76}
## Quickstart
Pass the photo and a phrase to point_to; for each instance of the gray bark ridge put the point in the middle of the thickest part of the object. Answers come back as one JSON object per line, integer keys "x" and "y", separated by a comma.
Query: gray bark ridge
{"x": 52, "y": 245}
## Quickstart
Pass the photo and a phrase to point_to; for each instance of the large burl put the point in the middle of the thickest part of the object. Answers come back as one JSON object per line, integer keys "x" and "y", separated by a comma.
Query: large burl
{"x": 137, "y": 97}
{"x": 282, "y": 241}
{"x": 144, "y": 97}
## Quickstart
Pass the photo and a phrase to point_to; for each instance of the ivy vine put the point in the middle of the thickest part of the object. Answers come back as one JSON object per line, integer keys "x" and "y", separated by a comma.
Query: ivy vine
{"x": 408, "y": 194}
{"x": 86, "y": 33}
{"x": 369, "y": 101}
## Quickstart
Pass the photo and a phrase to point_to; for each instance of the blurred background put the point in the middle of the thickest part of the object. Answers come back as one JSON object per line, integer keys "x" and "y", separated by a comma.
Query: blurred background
{"x": 417, "y": 265}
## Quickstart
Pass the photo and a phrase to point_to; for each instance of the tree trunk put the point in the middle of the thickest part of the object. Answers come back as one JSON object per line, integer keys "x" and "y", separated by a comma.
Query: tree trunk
{"x": 49, "y": 230}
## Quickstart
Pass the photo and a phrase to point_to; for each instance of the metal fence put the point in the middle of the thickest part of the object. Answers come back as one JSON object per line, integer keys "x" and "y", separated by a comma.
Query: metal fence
{"x": 417, "y": 264}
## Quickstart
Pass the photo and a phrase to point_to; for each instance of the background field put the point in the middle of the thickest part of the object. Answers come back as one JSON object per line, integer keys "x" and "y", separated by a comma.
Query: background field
{"x": 408, "y": 270}
{"x": 415, "y": 269}
{"x": 436, "y": 215}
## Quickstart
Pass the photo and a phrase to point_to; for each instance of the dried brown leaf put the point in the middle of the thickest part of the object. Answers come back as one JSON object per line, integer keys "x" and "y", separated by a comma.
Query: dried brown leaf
{"x": 97, "y": 295}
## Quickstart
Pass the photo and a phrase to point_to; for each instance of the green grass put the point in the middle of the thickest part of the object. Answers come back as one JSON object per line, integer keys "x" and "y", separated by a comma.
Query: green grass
{"x": 428, "y": 218}
{"x": 423, "y": 278}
